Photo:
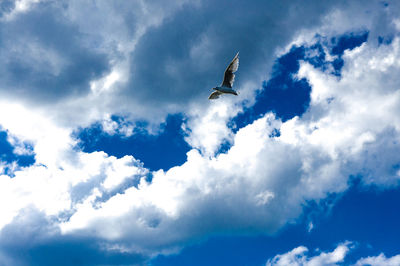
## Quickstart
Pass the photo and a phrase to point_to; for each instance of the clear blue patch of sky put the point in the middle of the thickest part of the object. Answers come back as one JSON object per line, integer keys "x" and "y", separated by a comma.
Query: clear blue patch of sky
{"x": 7, "y": 154}
{"x": 161, "y": 151}
{"x": 347, "y": 42}
{"x": 385, "y": 40}
{"x": 366, "y": 216}
{"x": 282, "y": 94}
{"x": 287, "y": 96}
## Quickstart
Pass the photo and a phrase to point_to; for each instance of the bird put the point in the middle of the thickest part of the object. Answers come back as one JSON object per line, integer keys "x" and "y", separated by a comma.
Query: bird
{"x": 229, "y": 78}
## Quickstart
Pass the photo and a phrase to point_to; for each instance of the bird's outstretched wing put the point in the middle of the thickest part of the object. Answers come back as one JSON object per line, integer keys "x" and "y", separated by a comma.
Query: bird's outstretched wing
{"x": 214, "y": 95}
{"x": 229, "y": 76}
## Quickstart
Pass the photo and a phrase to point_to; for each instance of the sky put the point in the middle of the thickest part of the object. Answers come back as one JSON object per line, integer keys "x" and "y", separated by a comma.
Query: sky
{"x": 112, "y": 154}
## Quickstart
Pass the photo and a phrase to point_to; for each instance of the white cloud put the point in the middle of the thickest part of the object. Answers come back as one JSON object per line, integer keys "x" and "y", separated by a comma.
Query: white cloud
{"x": 298, "y": 257}
{"x": 19, "y": 6}
{"x": 57, "y": 190}
{"x": 207, "y": 130}
{"x": 380, "y": 260}
{"x": 362, "y": 115}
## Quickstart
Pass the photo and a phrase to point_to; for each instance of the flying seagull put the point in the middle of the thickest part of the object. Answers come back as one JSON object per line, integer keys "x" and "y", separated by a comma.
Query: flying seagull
{"x": 229, "y": 78}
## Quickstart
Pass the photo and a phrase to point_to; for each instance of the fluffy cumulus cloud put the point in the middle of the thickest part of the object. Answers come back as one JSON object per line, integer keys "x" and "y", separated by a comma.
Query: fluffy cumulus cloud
{"x": 66, "y": 67}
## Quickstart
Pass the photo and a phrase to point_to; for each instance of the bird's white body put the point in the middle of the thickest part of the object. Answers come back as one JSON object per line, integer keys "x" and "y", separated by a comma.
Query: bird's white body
{"x": 225, "y": 90}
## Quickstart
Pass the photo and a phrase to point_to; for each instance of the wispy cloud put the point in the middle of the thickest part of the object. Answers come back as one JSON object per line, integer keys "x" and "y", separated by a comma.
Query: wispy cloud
{"x": 298, "y": 256}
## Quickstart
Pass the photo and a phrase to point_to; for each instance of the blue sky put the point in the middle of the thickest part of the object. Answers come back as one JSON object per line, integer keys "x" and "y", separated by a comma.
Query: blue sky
{"x": 111, "y": 153}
